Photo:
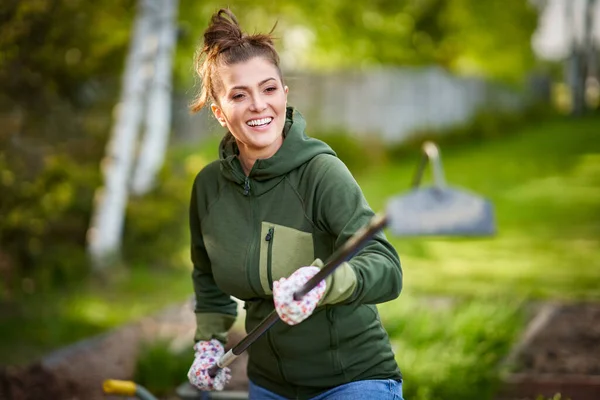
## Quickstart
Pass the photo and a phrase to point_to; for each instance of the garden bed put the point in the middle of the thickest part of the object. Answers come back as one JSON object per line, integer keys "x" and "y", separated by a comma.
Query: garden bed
{"x": 559, "y": 353}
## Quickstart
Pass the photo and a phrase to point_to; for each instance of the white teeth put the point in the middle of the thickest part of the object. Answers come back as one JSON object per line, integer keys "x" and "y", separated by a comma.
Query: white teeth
{"x": 258, "y": 122}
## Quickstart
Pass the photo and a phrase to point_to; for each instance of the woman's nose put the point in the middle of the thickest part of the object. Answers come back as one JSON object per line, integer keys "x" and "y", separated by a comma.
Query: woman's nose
{"x": 258, "y": 103}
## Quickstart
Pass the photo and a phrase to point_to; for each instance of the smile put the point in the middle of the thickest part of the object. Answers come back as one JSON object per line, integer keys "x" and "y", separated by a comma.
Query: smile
{"x": 260, "y": 122}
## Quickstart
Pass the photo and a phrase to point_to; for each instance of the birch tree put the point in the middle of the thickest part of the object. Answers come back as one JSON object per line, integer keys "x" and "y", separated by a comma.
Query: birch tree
{"x": 105, "y": 232}
{"x": 158, "y": 119}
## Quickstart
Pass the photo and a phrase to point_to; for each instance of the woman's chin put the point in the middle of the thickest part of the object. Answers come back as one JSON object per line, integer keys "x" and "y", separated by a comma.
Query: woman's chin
{"x": 267, "y": 145}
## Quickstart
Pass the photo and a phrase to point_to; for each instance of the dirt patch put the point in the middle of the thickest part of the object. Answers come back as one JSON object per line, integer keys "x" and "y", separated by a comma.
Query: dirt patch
{"x": 76, "y": 372}
{"x": 569, "y": 343}
{"x": 559, "y": 353}
{"x": 32, "y": 383}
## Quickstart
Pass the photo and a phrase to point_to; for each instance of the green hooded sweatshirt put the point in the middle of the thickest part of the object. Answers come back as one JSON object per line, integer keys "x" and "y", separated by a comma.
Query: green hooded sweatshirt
{"x": 296, "y": 207}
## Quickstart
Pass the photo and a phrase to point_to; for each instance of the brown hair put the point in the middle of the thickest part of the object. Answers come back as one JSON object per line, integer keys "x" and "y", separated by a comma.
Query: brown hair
{"x": 225, "y": 44}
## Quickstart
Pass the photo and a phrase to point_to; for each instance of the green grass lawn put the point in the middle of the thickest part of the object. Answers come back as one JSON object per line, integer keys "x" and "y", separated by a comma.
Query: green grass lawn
{"x": 544, "y": 181}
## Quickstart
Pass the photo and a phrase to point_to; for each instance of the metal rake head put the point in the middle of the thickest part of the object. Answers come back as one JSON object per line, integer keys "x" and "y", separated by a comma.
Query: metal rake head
{"x": 439, "y": 210}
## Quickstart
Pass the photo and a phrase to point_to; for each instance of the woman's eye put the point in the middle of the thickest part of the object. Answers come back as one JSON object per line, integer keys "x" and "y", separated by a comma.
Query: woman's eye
{"x": 237, "y": 96}
{"x": 271, "y": 89}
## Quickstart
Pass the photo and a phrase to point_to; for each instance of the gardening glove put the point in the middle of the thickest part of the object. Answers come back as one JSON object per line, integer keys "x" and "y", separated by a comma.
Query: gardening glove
{"x": 207, "y": 353}
{"x": 290, "y": 311}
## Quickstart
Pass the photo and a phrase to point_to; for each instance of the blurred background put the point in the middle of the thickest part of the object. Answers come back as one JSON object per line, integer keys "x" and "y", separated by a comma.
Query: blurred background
{"x": 98, "y": 152}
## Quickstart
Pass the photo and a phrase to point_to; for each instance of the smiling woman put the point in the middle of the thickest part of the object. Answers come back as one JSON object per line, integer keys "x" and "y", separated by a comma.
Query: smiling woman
{"x": 242, "y": 81}
{"x": 251, "y": 104}
{"x": 262, "y": 218}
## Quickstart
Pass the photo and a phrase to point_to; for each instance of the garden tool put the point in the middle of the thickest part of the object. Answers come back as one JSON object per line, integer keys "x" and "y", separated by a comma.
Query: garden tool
{"x": 439, "y": 210}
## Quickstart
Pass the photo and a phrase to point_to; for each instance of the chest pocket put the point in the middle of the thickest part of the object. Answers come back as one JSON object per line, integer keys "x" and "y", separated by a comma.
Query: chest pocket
{"x": 282, "y": 251}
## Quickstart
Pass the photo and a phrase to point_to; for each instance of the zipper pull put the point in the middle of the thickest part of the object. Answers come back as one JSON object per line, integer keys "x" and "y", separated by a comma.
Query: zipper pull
{"x": 246, "y": 186}
{"x": 269, "y": 235}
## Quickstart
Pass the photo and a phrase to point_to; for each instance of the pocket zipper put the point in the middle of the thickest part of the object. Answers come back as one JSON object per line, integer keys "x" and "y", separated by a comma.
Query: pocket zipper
{"x": 269, "y": 238}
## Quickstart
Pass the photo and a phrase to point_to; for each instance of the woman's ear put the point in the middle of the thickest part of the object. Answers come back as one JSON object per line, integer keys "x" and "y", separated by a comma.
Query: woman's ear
{"x": 218, "y": 113}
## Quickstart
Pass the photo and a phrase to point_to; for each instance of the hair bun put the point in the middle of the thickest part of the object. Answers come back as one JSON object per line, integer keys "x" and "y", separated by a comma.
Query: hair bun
{"x": 222, "y": 33}
{"x": 224, "y": 43}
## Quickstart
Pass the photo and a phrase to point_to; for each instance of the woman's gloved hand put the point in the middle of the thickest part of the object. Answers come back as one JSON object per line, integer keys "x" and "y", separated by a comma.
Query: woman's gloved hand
{"x": 290, "y": 311}
{"x": 207, "y": 353}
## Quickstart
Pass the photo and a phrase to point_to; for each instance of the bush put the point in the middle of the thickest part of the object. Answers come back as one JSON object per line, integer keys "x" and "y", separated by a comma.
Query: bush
{"x": 45, "y": 218}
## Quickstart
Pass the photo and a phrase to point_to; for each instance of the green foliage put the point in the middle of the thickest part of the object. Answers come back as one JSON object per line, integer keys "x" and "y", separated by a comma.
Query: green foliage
{"x": 58, "y": 60}
{"x": 50, "y": 49}
{"x": 451, "y": 349}
{"x": 45, "y": 219}
{"x": 465, "y": 36}
{"x": 462, "y": 35}
{"x": 486, "y": 41}
{"x": 160, "y": 369}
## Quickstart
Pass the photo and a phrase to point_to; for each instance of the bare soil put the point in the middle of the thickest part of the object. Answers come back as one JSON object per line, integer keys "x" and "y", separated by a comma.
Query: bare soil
{"x": 558, "y": 354}
{"x": 77, "y": 372}
{"x": 569, "y": 343}
{"x": 34, "y": 382}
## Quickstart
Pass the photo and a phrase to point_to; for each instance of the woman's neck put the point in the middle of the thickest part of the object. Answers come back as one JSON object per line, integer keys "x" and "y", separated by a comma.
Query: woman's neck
{"x": 249, "y": 156}
{"x": 247, "y": 163}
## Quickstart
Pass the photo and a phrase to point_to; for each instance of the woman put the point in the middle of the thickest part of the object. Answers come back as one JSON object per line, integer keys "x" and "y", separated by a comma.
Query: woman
{"x": 275, "y": 204}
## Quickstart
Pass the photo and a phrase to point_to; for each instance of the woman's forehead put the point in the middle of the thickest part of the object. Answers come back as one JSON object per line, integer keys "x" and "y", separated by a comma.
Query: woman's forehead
{"x": 253, "y": 72}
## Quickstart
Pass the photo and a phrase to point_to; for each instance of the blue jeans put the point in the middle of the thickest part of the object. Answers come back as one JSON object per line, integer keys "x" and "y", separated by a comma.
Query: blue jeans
{"x": 384, "y": 389}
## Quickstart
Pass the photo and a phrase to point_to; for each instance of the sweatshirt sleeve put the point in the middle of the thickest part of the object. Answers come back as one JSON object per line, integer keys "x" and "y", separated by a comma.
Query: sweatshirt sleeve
{"x": 374, "y": 274}
{"x": 215, "y": 310}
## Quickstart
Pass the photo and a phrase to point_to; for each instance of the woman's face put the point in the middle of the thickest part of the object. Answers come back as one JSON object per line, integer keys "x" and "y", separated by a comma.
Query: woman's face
{"x": 252, "y": 106}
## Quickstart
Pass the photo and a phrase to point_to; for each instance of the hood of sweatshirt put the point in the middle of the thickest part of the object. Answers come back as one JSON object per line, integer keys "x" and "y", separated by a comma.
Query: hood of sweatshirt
{"x": 297, "y": 149}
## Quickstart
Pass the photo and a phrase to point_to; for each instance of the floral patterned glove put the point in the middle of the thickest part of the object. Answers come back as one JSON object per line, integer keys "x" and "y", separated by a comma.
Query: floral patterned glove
{"x": 290, "y": 311}
{"x": 207, "y": 355}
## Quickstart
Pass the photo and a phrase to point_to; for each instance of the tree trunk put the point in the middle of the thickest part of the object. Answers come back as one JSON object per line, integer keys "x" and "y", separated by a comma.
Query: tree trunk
{"x": 105, "y": 233}
{"x": 158, "y": 119}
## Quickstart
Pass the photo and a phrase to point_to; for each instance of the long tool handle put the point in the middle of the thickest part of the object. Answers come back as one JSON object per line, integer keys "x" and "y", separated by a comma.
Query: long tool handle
{"x": 431, "y": 154}
{"x": 344, "y": 253}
